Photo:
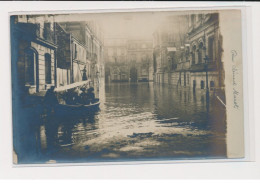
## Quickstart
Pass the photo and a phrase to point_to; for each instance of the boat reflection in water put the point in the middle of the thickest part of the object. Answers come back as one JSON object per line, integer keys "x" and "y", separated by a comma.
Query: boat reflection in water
{"x": 136, "y": 121}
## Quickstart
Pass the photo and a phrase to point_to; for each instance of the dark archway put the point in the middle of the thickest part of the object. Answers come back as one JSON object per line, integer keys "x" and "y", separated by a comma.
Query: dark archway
{"x": 133, "y": 74}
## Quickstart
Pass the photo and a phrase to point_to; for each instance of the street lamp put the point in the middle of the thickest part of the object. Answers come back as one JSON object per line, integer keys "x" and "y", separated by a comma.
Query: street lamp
{"x": 206, "y": 68}
{"x": 207, "y": 86}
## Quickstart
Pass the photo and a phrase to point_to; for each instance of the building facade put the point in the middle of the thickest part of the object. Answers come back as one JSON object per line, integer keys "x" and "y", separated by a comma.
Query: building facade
{"x": 46, "y": 53}
{"x": 168, "y": 42}
{"x": 128, "y": 60}
{"x": 206, "y": 67}
{"x": 116, "y": 66}
{"x": 192, "y": 57}
{"x": 140, "y": 55}
{"x": 84, "y": 41}
{"x": 34, "y": 47}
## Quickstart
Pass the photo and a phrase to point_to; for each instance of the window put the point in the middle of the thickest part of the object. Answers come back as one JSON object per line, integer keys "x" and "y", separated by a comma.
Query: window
{"x": 200, "y": 17}
{"x": 180, "y": 78}
{"x": 193, "y": 19}
{"x": 75, "y": 51}
{"x": 47, "y": 31}
{"x": 47, "y": 68}
{"x": 194, "y": 84}
{"x": 30, "y": 66}
{"x": 211, "y": 49}
{"x": 200, "y": 52}
{"x": 202, "y": 84}
{"x": 187, "y": 53}
{"x": 184, "y": 77}
{"x": 193, "y": 54}
{"x": 212, "y": 84}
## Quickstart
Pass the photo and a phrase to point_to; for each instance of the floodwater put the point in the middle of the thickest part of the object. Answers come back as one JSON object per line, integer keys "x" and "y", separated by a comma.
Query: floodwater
{"x": 136, "y": 121}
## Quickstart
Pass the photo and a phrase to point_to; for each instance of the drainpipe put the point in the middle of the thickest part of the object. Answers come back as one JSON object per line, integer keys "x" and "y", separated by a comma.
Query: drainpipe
{"x": 71, "y": 60}
{"x": 55, "y": 55}
{"x": 55, "y": 67}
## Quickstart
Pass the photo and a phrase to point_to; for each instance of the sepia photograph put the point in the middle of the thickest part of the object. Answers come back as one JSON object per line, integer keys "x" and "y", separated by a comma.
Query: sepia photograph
{"x": 130, "y": 86}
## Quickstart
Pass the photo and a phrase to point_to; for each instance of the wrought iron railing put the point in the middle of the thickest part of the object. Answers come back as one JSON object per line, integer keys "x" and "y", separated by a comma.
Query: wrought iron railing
{"x": 183, "y": 65}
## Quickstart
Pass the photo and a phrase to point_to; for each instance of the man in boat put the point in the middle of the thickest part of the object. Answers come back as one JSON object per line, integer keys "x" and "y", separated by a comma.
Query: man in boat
{"x": 90, "y": 95}
{"x": 72, "y": 96}
{"x": 84, "y": 97}
{"x": 50, "y": 99}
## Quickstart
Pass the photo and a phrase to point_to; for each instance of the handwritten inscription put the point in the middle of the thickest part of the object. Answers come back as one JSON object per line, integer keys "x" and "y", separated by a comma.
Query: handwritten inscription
{"x": 234, "y": 54}
{"x": 234, "y": 80}
{"x": 234, "y": 73}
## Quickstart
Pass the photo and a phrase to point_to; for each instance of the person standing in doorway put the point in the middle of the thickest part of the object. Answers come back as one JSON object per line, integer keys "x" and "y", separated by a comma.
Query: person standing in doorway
{"x": 84, "y": 76}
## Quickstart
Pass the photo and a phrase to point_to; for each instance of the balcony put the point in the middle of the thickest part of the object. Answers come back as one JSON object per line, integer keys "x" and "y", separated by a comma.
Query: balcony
{"x": 183, "y": 66}
{"x": 200, "y": 67}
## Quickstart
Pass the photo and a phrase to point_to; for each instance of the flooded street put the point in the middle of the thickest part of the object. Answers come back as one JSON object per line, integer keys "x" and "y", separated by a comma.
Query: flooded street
{"x": 136, "y": 121}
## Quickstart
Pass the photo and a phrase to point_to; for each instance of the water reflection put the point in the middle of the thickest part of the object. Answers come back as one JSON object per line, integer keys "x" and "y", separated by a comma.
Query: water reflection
{"x": 136, "y": 122}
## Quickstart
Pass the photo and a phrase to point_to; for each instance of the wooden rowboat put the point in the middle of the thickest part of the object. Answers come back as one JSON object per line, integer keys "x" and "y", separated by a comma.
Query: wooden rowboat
{"x": 77, "y": 108}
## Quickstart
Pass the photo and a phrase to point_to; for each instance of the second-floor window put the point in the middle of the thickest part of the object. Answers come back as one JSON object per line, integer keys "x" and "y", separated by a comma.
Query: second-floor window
{"x": 200, "y": 52}
{"x": 47, "y": 32}
{"x": 200, "y": 17}
{"x": 30, "y": 67}
{"x": 75, "y": 51}
{"x": 211, "y": 48}
{"x": 193, "y": 55}
{"x": 193, "y": 19}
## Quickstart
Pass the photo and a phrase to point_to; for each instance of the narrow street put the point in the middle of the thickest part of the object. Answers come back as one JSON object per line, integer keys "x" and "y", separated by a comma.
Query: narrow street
{"x": 158, "y": 91}
{"x": 136, "y": 121}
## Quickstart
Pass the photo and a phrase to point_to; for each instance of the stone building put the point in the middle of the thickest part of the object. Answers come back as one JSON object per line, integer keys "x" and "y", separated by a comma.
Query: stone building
{"x": 33, "y": 52}
{"x": 128, "y": 59}
{"x": 71, "y": 57}
{"x": 205, "y": 41}
{"x": 46, "y": 53}
{"x": 190, "y": 56}
{"x": 115, "y": 55}
{"x": 168, "y": 42}
{"x": 85, "y": 50}
{"x": 95, "y": 50}
{"x": 140, "y": 59}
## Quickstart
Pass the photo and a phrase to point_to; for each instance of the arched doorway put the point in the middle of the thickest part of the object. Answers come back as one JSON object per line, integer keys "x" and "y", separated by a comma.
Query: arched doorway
{"x": 133, "y": 74}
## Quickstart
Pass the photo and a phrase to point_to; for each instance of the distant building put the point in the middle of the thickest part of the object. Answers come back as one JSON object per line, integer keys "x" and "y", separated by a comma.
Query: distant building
{"x": 115, "y": 56}
{"x": 34, "y": 47}
{"x": 128, "y": 60}
{"x": 140, "y": 58}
